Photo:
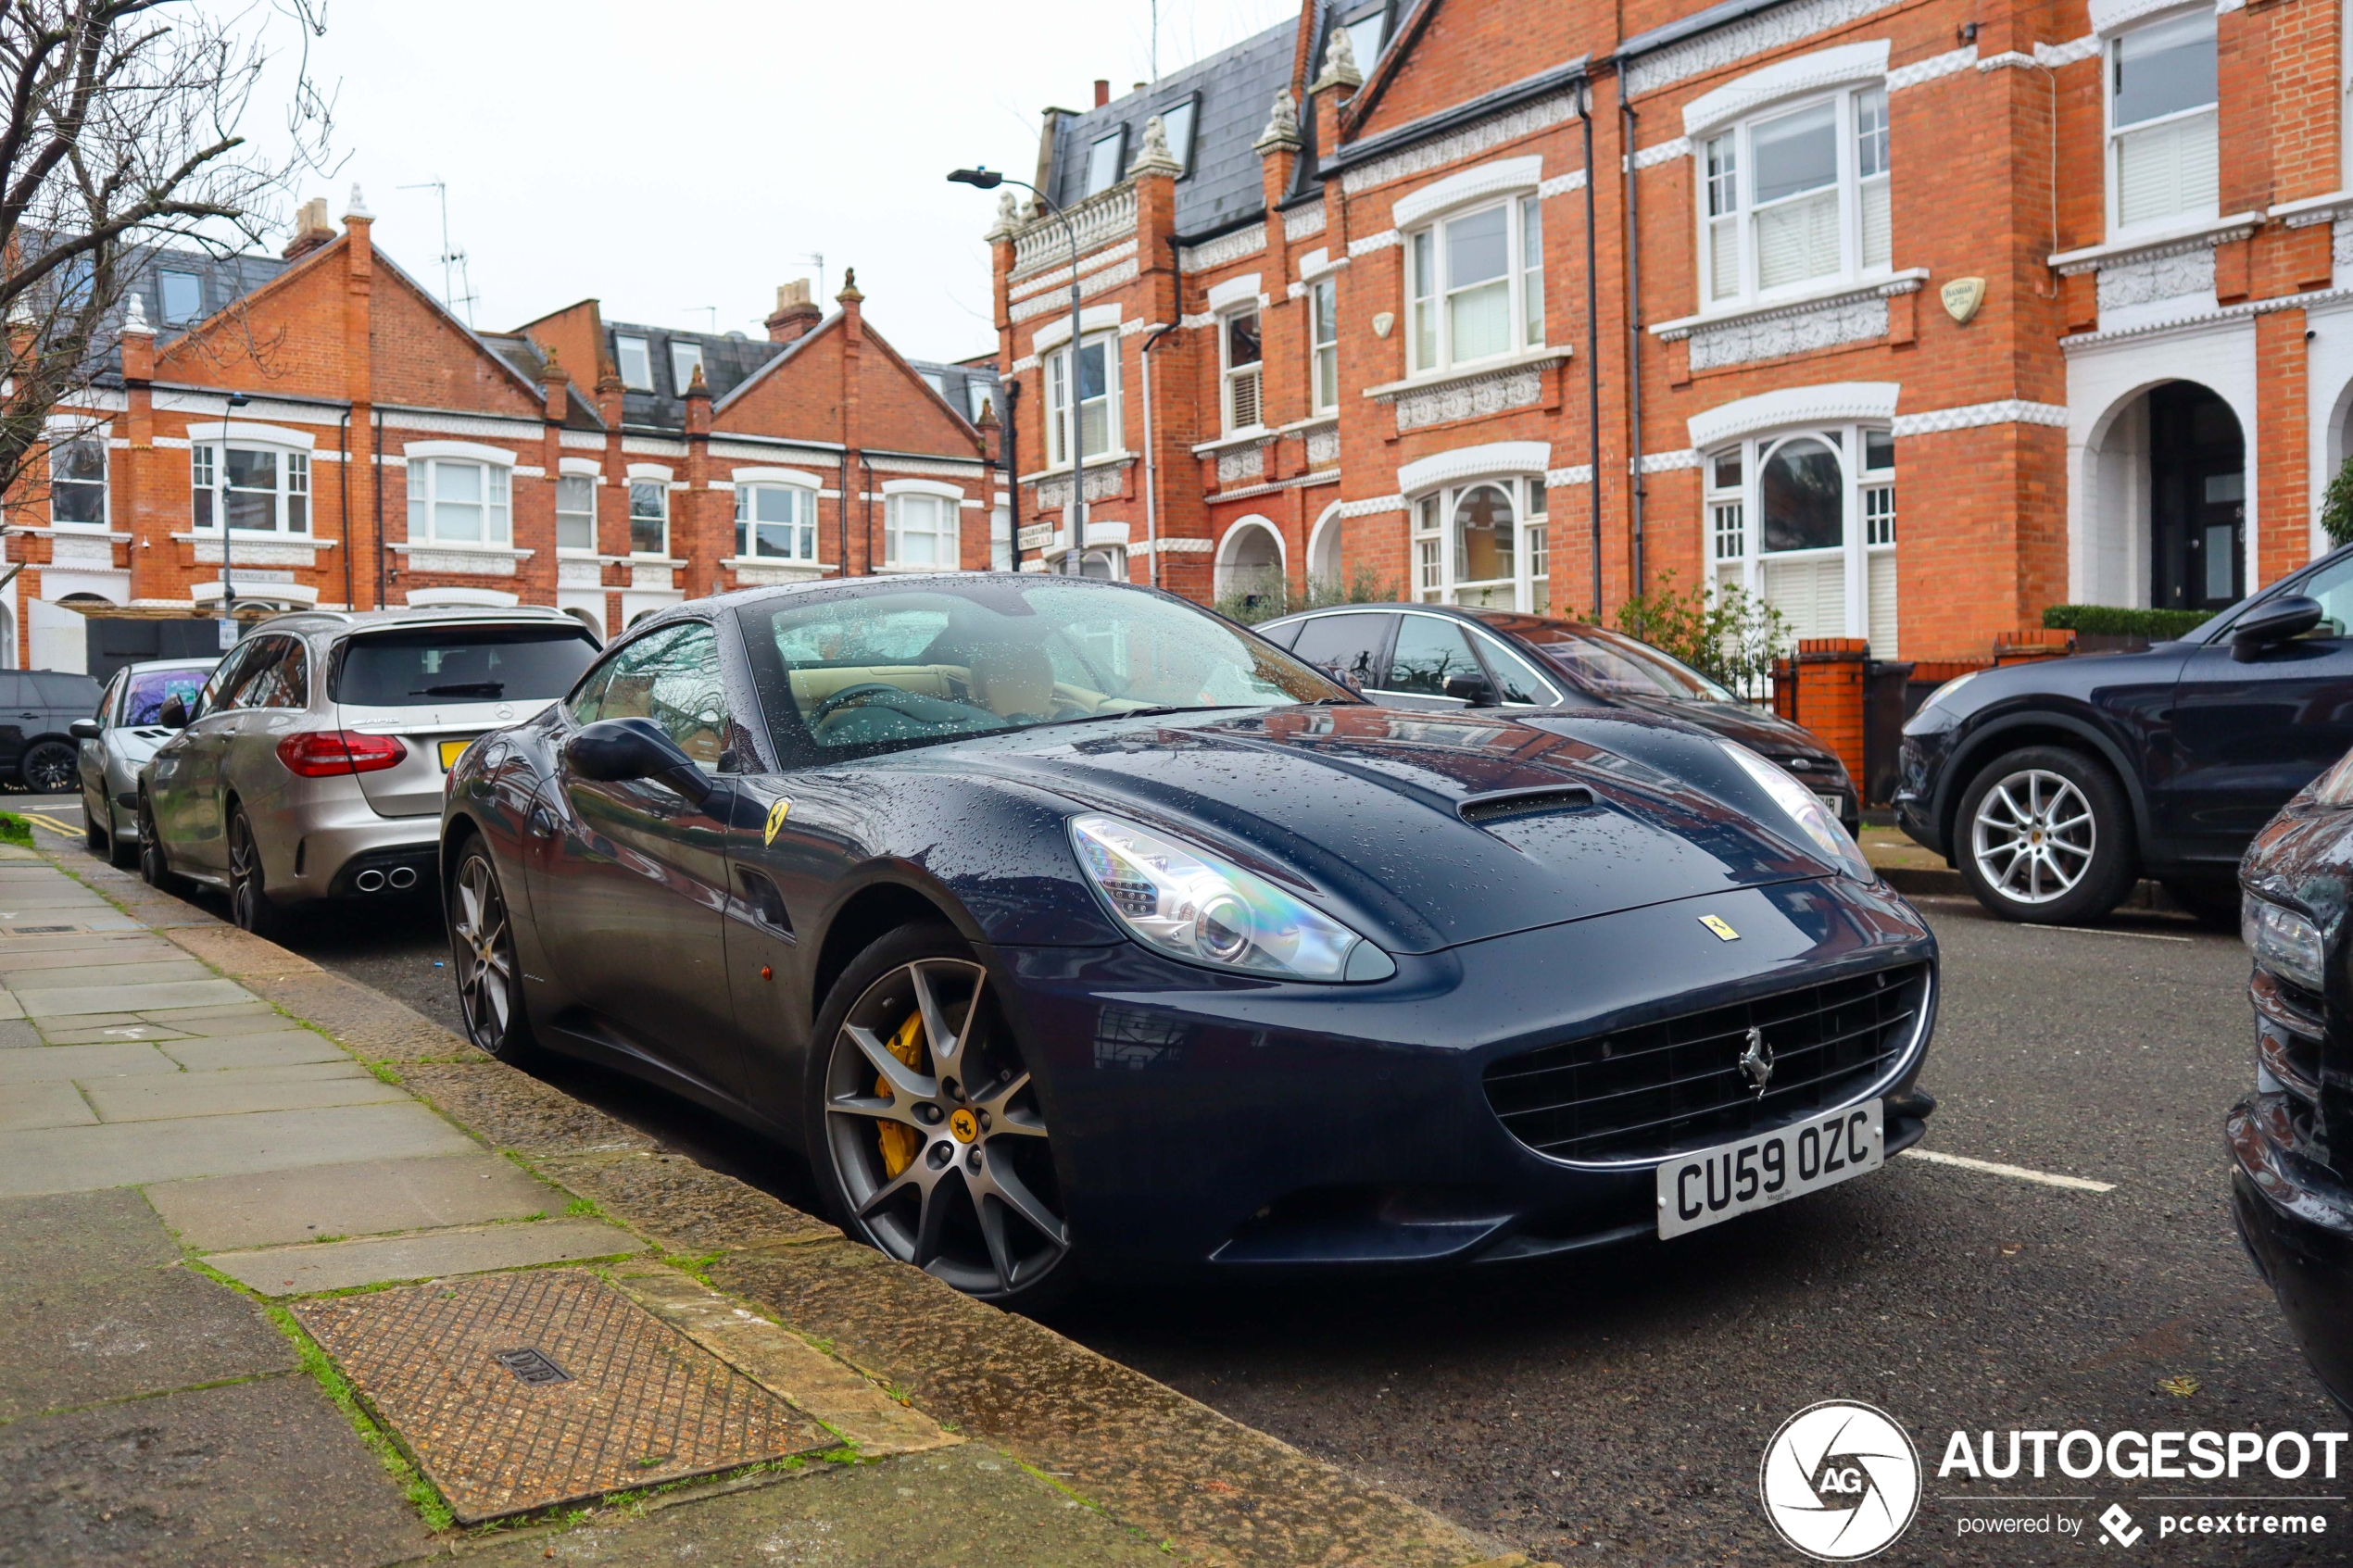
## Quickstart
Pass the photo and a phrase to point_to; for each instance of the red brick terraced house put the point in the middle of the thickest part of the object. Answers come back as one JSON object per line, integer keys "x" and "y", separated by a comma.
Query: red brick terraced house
{"x": 1913, "y": 316}
{"x": 387, "y": 455}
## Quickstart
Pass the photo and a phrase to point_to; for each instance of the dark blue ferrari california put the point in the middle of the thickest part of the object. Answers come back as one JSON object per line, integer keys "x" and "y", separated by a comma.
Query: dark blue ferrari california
{"x": 1066, "y": 926}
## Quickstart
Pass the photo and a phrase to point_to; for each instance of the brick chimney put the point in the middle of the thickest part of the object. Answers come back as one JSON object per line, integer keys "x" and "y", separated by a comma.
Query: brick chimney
{"x": 311, "y": 229}
{"x": 990, "y": 430}
{"x": 796, "y": 315}
{"x": 555, "y": 388}
{"x": 1102, "y": 91}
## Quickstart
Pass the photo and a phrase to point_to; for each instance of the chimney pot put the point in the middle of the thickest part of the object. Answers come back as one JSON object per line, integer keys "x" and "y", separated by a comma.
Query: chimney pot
{"x": 1102, "y": 91}
{"x": 310, "y": 229}
{"x": 796, "y": 313}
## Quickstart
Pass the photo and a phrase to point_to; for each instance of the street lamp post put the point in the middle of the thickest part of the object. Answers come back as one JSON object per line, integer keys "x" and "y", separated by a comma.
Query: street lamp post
{"x": 989, "y": 180}
{"x": 228, "y": 578}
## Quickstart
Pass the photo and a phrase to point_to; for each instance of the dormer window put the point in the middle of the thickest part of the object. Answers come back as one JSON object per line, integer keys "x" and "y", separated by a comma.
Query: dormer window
{"x": 1102, "y": 161}
{"x": 636, "y": 363}
{"x": 183, "y": 296}
{"x": 1796, "y": 198}
{"x": 685, "y": 358}
{"x": 1177, "y": 125}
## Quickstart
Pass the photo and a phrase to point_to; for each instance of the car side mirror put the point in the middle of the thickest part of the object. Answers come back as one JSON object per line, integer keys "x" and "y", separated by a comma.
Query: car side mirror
{"x": 84, "y": 729}
{"x": 174, "y": 714}
{"x": 2289, "y": 615}
{"x": 1475, "y": 690}
{"x": 618, "y": 750}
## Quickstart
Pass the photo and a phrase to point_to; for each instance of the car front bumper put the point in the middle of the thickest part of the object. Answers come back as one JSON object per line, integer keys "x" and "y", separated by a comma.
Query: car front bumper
{"x": 1200, "y": 1118}
{"x": 2296, "y": 1217}
{"x": 1919, "y": 772}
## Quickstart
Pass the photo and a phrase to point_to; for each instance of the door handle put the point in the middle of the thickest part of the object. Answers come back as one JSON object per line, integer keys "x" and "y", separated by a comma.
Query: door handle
{"x": 543, "y": 823}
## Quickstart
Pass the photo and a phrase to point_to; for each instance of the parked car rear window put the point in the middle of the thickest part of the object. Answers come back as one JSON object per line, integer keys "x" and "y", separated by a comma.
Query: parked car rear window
{"x": 448, "y": 664}
{"x": 150, "y": 688}
{"x": 62, "y": 689}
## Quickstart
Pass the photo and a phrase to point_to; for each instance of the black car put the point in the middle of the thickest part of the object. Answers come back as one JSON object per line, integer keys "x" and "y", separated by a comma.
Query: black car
{"x": 37, "y": 710}
{"x": 1443, "y": 657}
{"x": 2053, "y": 785}
{"x": 2292, "y": 1180}
{"x": 1060, "y": 920}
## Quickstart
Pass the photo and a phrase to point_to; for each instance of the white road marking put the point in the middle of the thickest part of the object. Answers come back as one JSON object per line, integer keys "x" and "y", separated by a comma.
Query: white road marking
{"x": 2019, "y": 1173}
{"x": 2144, "y": 936}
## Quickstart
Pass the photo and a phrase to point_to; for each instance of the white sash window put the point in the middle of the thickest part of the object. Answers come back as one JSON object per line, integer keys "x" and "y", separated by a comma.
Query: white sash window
{"x": 2162, "y": 124}
{"x": 1796, "y": 198}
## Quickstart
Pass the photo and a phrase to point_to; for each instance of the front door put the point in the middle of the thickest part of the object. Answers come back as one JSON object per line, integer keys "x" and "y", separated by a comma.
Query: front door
{"x": 631, "y": 888}
{"x": 2248, "y": 737}
{"x": 188, "y": 771}
{"x": 2198, "y": 500}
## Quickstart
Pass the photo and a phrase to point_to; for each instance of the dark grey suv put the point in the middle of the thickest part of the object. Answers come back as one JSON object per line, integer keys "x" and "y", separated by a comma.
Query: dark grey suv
{"x": 37, "y": 711}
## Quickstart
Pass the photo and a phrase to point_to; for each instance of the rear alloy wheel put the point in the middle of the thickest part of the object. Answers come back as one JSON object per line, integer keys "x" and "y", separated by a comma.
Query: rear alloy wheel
{"x": 155, "y": 866}
{"x": 482, "y": 950}
{"x": 2044, "y": 838}
{"x": 49, "y": 768}
{"x": 932, "y": 1138}
{"x": 249, "y": 903}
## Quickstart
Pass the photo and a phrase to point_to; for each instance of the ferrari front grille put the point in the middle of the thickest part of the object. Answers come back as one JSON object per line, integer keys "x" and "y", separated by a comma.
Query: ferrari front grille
{"x": 1655, "y": 1089}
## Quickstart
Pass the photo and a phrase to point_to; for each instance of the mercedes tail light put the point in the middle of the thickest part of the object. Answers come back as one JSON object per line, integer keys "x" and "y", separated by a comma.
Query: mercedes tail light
{"x": 324, "y": 753}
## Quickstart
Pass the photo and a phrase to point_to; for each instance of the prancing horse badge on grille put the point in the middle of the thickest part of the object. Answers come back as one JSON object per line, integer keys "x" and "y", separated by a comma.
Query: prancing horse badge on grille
{"x": 1757, "y": 1062}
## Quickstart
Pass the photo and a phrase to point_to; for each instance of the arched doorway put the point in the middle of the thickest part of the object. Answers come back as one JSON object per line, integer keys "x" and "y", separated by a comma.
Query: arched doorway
{"x": 1323, "y": 551}
{"x": 1250, "y": 561}
{"x": 2197, "y": 499}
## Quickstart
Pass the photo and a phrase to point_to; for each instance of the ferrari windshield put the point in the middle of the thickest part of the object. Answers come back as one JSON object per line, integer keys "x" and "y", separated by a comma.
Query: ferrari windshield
{"x": 933, "y": 662}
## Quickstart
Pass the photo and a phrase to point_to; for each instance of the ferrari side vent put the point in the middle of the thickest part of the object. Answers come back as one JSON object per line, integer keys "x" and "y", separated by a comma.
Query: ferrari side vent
{"x": 1480, "y": 810}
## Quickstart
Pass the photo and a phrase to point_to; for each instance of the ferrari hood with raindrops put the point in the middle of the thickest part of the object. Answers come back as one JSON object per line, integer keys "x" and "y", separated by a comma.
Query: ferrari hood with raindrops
{"x": 1421, "y": 829}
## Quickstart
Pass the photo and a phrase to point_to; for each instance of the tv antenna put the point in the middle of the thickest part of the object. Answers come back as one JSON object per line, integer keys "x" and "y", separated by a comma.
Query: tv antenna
{"x": 713, "y": 309}
{"x": 817, "y": 259}
{"x": 452, "y": 259}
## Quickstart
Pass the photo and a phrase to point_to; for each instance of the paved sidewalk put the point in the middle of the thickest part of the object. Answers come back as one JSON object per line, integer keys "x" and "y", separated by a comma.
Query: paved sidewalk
{"x": 298, "y": 1277}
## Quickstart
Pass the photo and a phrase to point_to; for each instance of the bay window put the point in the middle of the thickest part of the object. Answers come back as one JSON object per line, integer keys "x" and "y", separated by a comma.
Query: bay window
{"x": 1097, "y": 376}
{"x": 2161, "y": 137}
{"x": 1482, "y": 544}
{"x": 1239, "y": 355}
{"x": 259, "y": 489}
{"x": 1475, "y": 286}
{"x": 455, "y": 502}
{"x": 920, "y": 530}
{"x": 1796, "y": 198}
{"x": 649, "y": 516}
{"x": 1323, "y": 298}
{"x": 1806, "y": 520}
{"x": 78, "y": 483}
{"x": 576, "y": 512}
{"x": 775, "y": 522}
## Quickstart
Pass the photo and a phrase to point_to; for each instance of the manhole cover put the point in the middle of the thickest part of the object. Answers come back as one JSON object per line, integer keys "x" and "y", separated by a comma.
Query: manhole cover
{"x": 518, "y": 1392}
{"x": 38, "y": 930}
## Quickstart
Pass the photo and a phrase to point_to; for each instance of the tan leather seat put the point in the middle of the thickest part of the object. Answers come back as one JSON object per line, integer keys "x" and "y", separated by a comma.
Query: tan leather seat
{"x": 1013, "y": 680}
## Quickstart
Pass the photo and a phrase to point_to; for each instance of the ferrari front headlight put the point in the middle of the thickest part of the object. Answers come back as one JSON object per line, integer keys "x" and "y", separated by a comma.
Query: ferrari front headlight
{"x": 1827, "y": 833}
{"x": 1191, "y": 905}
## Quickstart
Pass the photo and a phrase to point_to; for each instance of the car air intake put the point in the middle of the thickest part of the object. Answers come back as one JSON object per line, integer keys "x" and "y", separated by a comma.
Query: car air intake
{"x": 1655, "y": 1089}
{"x": 1506, "y": 804}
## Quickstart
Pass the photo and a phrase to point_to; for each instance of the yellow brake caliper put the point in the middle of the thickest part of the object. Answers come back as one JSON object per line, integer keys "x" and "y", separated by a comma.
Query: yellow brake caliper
{"x": 900, "y": 1142}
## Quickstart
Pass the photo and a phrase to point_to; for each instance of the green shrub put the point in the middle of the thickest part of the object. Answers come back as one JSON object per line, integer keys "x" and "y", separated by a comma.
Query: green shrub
{"x": 2122, "y": 621}
{"x": 15, "y": 830}
{"x": 1734, "y": 637}
{"x": 2337, "y": 505}
{"x": 1271, "y": 595}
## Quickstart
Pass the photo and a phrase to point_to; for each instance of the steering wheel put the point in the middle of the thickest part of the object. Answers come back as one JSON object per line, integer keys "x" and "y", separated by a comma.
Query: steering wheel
{"x": 848, "y": 694}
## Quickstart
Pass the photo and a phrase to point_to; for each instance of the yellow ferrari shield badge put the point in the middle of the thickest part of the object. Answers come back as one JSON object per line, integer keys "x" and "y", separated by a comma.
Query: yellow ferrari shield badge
{"x": 1721, "y": 927}
{"x": 775, "y": 820}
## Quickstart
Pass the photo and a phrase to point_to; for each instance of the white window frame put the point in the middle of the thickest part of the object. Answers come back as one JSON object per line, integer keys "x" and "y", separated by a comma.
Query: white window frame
{"x": 1058, "y": 369}
{"x": 2114, "y": 136}
{"x": 495, "y": 497}
{"x": 1431, "y": 569}
{"x": 684, "y": 359}
{"x": 947, "y": 498}
{"x": 660, "y": 477}
{"x": 96, "y": 439}
{"x": 623, "y": 344}
{"x": 749, "y": 484}
{"x": 1525, "y": 331}
{"x": 578, "y": 469}
{"x": 1232, "y": 378}
{"x": 1322, "y": 352}
{"x": 1856, "y": 190}
{"x": 1732, "y": 530}
{"x": 292, "y": 482}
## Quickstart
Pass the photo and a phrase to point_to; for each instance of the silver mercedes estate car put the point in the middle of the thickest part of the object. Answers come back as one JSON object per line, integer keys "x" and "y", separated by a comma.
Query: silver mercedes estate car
{"x": 310, "y": 765}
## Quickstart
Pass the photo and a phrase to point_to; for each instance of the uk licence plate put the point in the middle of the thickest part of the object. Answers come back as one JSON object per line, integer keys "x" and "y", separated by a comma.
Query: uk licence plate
{"x": 453, "y": 749}
{"x": 1834, "y": 804}
{"x": 1710, "y": 1186}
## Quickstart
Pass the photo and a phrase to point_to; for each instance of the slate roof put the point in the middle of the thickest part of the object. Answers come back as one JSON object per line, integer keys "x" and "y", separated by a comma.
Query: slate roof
{"x": 519, "y": 351}
{"x": 222, "y": 280}
{"x": 728, "y": 361}
{"x": 1221, "y": 188}
{"x": 964, "y": 386}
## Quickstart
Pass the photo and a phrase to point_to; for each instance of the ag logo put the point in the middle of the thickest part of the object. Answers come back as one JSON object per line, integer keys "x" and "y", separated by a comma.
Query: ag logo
{"x": 1840, "y": 1481}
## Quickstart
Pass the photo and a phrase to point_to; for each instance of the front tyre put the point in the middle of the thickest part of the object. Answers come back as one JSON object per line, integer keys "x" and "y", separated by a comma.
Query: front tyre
{"x": 482, "y": 952}
{"x": 155, "y": 866}
{"x": 49, "y": 768}
{"x": 2044, "y": 836}
{"x": 249, "y": 902}
{"x": 926, "y": 1130}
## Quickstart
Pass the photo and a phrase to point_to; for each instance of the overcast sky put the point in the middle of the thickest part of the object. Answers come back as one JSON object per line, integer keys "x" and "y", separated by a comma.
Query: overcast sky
{"x": 664, "y": 159}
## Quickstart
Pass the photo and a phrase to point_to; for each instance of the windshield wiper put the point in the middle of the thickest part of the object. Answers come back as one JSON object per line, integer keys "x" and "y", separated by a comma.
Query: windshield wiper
{"x": 461, "y": 688}
{"x": 1142, "y": 714}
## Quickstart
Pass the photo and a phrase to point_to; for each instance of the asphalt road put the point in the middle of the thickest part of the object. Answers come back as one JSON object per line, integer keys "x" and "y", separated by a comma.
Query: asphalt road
{"x": 1615, "y": 1407}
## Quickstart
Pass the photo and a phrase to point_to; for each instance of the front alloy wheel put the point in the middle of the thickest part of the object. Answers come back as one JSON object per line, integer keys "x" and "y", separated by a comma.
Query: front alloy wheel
{"x": 2045, "y": 838}
{"x": 249, "y": 903}
{"x": 49, "y": 768}
{"x": 155, "y": 866}
{"x": 934, "y": 1136}
{"x": 482, "y": 949}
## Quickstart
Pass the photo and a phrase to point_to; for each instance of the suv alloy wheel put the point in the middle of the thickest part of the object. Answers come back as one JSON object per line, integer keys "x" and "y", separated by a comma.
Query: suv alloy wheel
{"x": 2043, "y": 836}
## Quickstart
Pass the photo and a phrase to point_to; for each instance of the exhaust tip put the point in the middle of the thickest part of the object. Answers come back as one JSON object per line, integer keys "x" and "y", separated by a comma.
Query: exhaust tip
{"x": 403, "y": 877}
{"x": 369, "y": 881}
